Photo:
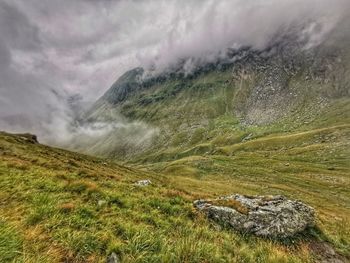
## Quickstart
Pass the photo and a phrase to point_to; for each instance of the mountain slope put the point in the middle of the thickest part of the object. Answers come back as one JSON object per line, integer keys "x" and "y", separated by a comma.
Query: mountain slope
{"x": 284, "y": 88}
{"x": 59, "y": 206}
{"x": 62, "y": 206}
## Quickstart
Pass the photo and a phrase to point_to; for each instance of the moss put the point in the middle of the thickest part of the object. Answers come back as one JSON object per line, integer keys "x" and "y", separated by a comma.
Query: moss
{"x": 231, "y": 204}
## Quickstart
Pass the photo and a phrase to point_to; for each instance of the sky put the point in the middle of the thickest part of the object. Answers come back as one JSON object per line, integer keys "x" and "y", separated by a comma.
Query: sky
{"x": 55, "y": 53}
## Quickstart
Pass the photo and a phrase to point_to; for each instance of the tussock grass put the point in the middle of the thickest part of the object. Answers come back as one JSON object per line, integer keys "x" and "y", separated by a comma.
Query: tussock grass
{"x": 10, "y": 242}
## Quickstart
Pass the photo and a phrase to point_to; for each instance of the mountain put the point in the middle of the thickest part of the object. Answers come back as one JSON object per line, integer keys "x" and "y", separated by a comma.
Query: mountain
{"x": 280, "y": 91}
{"x": 256, "y": 122}
{"x": 265, "y": 122}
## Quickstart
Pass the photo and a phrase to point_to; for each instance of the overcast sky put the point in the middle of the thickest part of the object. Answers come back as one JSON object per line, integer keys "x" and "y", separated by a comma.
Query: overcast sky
{"x": 51, "y": 49}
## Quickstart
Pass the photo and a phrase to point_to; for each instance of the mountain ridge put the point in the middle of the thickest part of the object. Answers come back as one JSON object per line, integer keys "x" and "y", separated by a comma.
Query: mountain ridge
{"x": 283, "y": 85}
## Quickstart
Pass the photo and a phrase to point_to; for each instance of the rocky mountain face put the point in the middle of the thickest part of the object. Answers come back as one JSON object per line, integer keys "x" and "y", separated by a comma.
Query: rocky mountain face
{"x": 283, "y": 88}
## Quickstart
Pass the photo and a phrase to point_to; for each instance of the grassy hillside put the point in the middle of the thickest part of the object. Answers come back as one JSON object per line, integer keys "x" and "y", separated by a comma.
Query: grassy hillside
{"x": 59, "y": 206}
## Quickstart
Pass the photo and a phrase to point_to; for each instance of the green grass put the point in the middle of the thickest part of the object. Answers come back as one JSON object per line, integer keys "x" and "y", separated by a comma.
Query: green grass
{"x": 10, "y": 243}
{"x": 62, "y": 206}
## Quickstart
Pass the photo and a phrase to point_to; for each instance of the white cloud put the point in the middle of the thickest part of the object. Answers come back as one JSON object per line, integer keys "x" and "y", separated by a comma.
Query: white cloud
{"x": 205, "y": 31}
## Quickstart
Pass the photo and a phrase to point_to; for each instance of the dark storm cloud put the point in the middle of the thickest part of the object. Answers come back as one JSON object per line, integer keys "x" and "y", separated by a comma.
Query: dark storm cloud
{"x": 53, "y": 49}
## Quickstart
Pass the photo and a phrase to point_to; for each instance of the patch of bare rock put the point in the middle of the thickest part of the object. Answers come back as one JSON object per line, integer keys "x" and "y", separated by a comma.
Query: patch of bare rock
{"x": 265, "y": 216}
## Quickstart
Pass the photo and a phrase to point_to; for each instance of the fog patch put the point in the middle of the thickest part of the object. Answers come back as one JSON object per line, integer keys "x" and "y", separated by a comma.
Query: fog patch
{"x": 112, "y": 139}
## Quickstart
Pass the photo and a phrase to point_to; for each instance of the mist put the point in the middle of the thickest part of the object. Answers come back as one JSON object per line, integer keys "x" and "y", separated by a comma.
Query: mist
{"x": 58, "y": 57}
{"x": 204, "y": 34}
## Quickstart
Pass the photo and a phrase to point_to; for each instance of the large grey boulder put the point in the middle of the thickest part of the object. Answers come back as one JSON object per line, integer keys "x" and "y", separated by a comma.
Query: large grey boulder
{"x": 266, "y": 216}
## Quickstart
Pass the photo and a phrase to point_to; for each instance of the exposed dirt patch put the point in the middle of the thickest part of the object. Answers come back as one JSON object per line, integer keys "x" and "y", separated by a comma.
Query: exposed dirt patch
{"x": 324, "y": 253}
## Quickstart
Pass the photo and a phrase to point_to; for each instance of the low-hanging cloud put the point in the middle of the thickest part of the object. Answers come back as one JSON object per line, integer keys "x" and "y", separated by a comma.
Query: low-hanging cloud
{"x": 204, "y": 32}
{"x": 57, "y": 57}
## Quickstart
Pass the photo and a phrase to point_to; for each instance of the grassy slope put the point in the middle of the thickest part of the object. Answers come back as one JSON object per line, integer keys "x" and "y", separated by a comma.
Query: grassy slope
{"x": 61, "y": 206}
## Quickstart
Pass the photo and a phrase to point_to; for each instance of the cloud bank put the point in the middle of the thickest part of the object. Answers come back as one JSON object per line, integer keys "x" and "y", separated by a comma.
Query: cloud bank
{"x": 56, "y": 57}
{"x": 202, "y": 33}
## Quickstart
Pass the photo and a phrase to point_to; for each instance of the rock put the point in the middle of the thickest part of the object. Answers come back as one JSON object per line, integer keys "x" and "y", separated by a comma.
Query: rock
{"x": 113, "y": 258}
{"x": 248, "y": 137}
{"x": 101, "y": 203}
{"x": 31, "y": 138}
{"x": 265, "y": 216}
{"x": 143, "y": 182}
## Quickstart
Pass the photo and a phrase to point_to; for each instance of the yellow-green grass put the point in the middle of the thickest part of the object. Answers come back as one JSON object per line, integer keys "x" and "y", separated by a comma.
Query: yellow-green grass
{"x": 312, "y": 166}
{"x": 59, "y": 206}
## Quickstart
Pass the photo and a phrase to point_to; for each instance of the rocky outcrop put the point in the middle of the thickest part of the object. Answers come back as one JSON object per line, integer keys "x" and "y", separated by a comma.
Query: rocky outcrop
{"x": 31, "y": 138}
{"x": 265, "y": 216}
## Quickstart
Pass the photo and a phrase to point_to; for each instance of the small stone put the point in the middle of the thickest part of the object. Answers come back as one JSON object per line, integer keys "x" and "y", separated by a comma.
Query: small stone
{"x": 113, "y": 258}
{"x": 101, "y": 202}
{"x": 143, "y": 182}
